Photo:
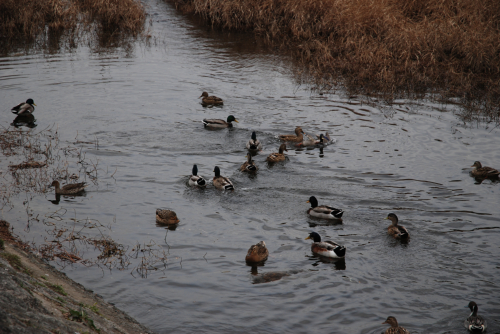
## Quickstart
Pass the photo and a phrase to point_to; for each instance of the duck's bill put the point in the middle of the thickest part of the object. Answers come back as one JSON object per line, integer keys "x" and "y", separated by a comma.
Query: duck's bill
{"x": 34, "y": 104}
{"x": 307, "y": 238}
{"x": 236, "y": 121}
{"x": 307, "y": 202}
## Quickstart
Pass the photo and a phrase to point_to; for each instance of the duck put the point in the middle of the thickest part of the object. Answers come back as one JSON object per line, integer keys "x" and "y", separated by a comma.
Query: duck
{"x": 480, "y": 171}
{"x": 278, "y": 157}
{"x": 475, "y": 323}
{"x": 166, "y": 217}
{"x": 297, "y": 138}
{"x": 211, "y": 99}
{"x": 323, "y": 211}
{"x": 395, "y": 328}
{"x": 249, "y": 165}
{"x": 395, "y": 230}
{"x": 257, "y": 253}
{"x": 326, "y": 248}
{"x": 254, "y": 144}
{"x": 195, "y": 179}
{"x": 219, "y": 123}
{"x": 309, "y": 140}
{"x": 69, "y": 189}
{"x": 24, "y": 108}
{"x": 221, "y": 182}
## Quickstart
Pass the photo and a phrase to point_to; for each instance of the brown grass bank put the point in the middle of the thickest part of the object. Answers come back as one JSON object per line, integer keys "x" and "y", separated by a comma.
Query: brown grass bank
{"x": 391, "y": 46}
{"x": 31, "y": 18}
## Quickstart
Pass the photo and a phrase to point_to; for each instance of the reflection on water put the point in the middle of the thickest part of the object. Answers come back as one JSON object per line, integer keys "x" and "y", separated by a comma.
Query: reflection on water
{"x": 141, "y": 105}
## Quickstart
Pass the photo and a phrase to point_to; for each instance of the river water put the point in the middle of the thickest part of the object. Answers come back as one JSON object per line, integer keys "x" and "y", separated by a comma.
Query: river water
{"x": 411, "y": 158}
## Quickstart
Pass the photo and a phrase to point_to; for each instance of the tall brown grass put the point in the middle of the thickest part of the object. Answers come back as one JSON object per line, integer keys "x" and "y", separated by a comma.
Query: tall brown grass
{"x": 30, "y": 18}
{"x": 452, "y": 46}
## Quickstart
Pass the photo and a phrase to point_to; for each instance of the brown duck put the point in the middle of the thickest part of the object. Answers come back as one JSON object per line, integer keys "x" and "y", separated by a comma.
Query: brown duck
{"x": 395, "y": 328}
{"x": 395, "y": 230}
{"x": 166, "y": 217}
{"x": 69, "y": 189}
{"x": 249, "y": 166}
{"x": 277, "y": 157}
{"x": 211, "y": 99}
{"x": 257, "y": 253}
{"x": 297, "y": 138}
{"x": 480, "y": 171}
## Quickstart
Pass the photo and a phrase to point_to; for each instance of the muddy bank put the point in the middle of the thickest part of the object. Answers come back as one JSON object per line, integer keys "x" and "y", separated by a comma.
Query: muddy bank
{"x": 38, "y": 298}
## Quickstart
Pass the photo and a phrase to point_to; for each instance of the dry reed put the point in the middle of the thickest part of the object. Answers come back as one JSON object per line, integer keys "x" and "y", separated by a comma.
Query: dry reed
{"x": 389, "y": 46}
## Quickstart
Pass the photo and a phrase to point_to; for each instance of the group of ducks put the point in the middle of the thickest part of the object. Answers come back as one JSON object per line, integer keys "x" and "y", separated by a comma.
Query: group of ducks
{"x": 259, "y": 253}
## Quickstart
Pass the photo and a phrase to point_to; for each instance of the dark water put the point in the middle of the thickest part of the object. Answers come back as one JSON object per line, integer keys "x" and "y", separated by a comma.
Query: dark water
{"x": 410, "y": 158}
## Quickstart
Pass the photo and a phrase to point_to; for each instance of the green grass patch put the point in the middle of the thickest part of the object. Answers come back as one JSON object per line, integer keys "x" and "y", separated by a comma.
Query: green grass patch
{"x": 81, "y": 316}
{"x": 14, "y": 260}
{"x": 58, "y": 288}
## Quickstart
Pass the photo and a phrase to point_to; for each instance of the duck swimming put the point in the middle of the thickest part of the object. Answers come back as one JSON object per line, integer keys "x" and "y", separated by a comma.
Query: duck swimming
{"x": 480, "y": 171}
{"x": 69, "y": 189}
{"x": 395, "y": 328}
{"x": 475, "y": 323}
{"x": 210, "y": 99}
{"x": 257, "y": 253}
{"x": 24, "y": 108}
{"x": 277, "y": 157}
{"x": 297, "y": 138}
{"x": 249, "y": 165}
{"x": 326, "y": 248}
{"x": 195, "y": 179}
{"x": 323, "y": 211}
{"x": 166, "y": 217}
{"x": 219, "y": 123}
{"x": 395, "y": 230}
{"x": 221, "y": 182}
{"x": 254, "y": 144}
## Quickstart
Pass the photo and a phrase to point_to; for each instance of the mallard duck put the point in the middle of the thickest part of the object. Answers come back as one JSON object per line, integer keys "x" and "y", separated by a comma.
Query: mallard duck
{"x": 323, "y": 211}
{"x": 69, "y": 189}
{"x": 475, "y": 323}
{"x": 220, "y": 123}
{"x": 221, "y": 182}
{"x": 254, "y": 144}
{"x": 326, "y": 248}
{"x": 257, "y": 253}
{"x": 395, "y": 328}
{"x": 249, "y": 165}
{"x": 480, "y": 171}
{"x": 195, "y": 179}
{"x": 277, "y": 157}
{"x": 166, "y": 217}
{"x": 210, "y": 99}
{"x": 309, "y": 140}
{"x": 24, "y": 108}
{"x": 297, "y": 138}
{"x": 395, "y": 230}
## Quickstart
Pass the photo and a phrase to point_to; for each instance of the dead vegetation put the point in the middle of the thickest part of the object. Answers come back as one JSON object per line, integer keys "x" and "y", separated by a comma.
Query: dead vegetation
{"x": 388, "y": 47}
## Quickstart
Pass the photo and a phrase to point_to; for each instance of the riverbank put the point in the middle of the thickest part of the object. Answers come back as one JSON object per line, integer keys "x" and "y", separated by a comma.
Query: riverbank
{"x": 36, "y": 297}
{"x": 392, "y": 48}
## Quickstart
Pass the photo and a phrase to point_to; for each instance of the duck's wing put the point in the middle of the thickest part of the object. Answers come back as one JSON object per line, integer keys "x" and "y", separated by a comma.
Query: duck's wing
{"x": 214, "y": 99}
{"x": 223, "y": 182}
{"x": 213, "y": 121}
{"x": 197, "y": 180}
{"x": 328, "y": 210}
{"x": 74, "y": 186}
{"x": 475, "y": 323}
{"x": 254, "y": 145}
{"x": 489, "y": 171}
{"x": 333, "y": 246}
{"x": 23, "y": 108}
{"x": 402, "y": 232}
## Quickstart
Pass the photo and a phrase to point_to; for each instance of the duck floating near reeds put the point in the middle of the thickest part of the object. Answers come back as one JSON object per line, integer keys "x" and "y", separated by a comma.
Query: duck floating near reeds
{"x": 326, "y": 248}
{"x": 69, "y": 189}
{"x": 166, "y": 217}
{"x": 395, "y": 328}
{"x": 257, "y": 253}
{"x": 254, "y": 144}
{"x": 475, "y": 323}
{"x": 278, "y": 157}
{"x": 480, "y": 171}
{"x": 219, "y": 123}
{"x": 323, "y": 211}
{"x": 214, "y": 100}
{"x": 24, "y": 108}
{"x": 196, "y": 180}
{"x": 221, "y": 182}
{"x": 297, "y": 138}
{"x": 395, "y": 230}
{"x": 249, "y": 166}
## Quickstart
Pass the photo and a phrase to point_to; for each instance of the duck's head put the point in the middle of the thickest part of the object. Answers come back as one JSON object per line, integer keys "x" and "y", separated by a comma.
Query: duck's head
{"x": 195, "y": 170}
{"x": 55, "y": 184}
{"x": 298, "y": 130}
{"x": 473, "y": 307}
{"x": 321, "y": 138}
{"x": 254, "y": 136}
{"x": 313, "y": 201}
{"x": 231, "y": 118}
{"x": 314, "y": 236}
{"x": 204, "y": 94}
{"x": 391, "y": 321}
{"x": 30, "y": 101}
{"x": 393, "y": 218}
{"x": 217, "y": 171}
{"x": 283, "y": 148}
{"x": 477, "y": 164}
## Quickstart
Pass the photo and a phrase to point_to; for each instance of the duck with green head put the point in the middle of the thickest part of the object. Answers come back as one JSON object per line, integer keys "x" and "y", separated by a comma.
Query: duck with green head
{"x": 24, "y": 108}
{"x": 219, "y": 123}
{"x": 220, "y": 182}
{"x": 326, "y": 248}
